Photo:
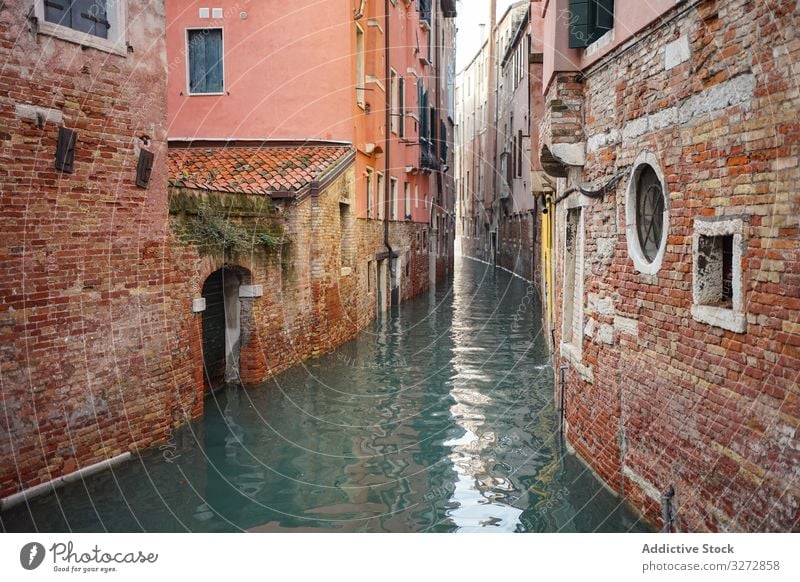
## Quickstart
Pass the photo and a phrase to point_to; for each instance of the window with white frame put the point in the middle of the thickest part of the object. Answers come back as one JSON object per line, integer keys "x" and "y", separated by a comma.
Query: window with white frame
{"x": 205, "y": 61}
{"x": 572, "y": 326}
{"x": 380, "y": 197}
{"x": 96, "y": 23}
{"x": 407, "y": 200}
{"x": 394, "y": 201}
{"x": 361, "y": 79}
{"x": 369, "y": 188}
{"x": 395, "y": 94}
{"x": 717, "y": 289}
{"x": 647, "y": 214}
{"x": 401, "y": 106}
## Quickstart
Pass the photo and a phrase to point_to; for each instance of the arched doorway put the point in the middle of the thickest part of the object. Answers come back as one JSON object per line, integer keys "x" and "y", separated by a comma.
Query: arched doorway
{"x": 222, "y": 326}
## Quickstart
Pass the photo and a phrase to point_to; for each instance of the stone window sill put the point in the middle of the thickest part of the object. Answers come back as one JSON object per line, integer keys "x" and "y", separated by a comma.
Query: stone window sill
{"x": 599, "y": 44}
{"x": 572, "y": 354}
{"x": 81, "y": 38}
{"x": 720, "y": 317}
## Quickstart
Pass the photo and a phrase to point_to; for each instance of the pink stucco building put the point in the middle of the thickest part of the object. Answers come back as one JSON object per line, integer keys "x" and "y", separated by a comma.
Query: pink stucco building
{"x": 244, "y": 70}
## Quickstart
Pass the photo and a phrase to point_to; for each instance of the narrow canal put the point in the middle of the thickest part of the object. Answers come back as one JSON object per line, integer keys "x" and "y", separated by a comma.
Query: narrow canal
{"x": 438, "y": 419}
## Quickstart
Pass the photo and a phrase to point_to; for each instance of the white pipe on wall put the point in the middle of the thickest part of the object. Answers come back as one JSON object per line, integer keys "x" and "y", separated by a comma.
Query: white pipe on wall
{"x": 37, "y": 490}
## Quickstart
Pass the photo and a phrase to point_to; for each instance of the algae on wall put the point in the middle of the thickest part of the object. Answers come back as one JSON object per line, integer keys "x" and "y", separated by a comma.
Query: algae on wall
{"x": 224, "y": 224}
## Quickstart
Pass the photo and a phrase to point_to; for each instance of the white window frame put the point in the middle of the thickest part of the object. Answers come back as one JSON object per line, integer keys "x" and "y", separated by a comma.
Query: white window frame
{"x": 222, "y": 52}
{"x": 406, "y": 201}
{"x": 394, "y": 89}
{"x": 361, "y": 67}
{"x": 731, "y": 318}
{"x": 381, "y": 194}
{"x": 573, "y": 349}
{"x": 117, "y": 41}
{"x": 395, "y": 193}
{"x": 640, "y": 261}
{"x": 370, "y": 187}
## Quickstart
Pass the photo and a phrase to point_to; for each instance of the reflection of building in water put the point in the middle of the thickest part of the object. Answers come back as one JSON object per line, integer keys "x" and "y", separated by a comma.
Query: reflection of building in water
{"x": 473, "y": 453}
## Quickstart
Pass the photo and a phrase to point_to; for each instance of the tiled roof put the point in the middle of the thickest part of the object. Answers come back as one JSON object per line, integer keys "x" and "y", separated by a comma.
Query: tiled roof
{"x": 253, "y": 170}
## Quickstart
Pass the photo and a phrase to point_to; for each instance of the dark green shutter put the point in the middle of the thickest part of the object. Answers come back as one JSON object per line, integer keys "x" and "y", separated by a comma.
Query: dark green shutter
{"x": 589, "y": 20}
{"x": 580, "y": 23}
{"x": 604, "y": 17}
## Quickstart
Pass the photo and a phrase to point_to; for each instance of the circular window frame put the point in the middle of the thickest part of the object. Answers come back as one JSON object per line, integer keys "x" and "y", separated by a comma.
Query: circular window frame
{"x": 640, "y": 261}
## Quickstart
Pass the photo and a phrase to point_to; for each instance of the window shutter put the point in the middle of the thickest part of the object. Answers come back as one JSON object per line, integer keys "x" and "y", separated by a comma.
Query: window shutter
{"x": 402, "y": 106}
{"x": 214, "y": 61}
{"x": 205, "y": 61}
{"x": 197, "y": 62}
{"x": 580, "y": 23}
{"x": 443, "y": 141}
{"x": 90, "y": 16}
{"x": 604, "y": 17}
{"x": 432, "y": 128}
{"x": 144, "y": 168}
{"x": 57, "y": 11}
{"x": 65, "y": 149}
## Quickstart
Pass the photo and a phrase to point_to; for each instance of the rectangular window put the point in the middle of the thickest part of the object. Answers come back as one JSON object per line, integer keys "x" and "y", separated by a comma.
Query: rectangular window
{"x": 89, "y": 16}
{"x": 205, "y": 61}
{"x": 380, "y": 197}
{"x": 589, "y": 20}
{"x": 394, "y": 201}
{"x": 402, "y": 106}
{"x": 369, "y": 187}
{"x": 717, "y": 289}
{"x": 714, "y": 268}
{"x": 519, "y": 153}
{"x": 360, "y": 67}
{"x": 407, "y": 200}
{"x": 572, "y": 329}
{"x": 416, "y": 196}
{"x": 100, "y": 24}
{"x": 395, "y": 95}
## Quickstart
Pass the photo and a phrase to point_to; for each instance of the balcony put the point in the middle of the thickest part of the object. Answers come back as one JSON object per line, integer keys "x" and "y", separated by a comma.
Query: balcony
{"x": 427, "y": 155}
{"x": 424, "y": 7}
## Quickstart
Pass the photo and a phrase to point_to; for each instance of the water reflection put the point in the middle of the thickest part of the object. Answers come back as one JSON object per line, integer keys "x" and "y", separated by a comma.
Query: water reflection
{"x": 438, "y": 419}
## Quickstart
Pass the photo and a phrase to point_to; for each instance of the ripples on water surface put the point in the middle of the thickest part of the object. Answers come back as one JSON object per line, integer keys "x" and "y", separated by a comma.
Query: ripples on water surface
{"x": 439, "y": 419}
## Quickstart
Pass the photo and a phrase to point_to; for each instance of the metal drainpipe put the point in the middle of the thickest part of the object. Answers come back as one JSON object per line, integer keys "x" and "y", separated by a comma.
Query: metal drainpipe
{"x": 562, "y": 400}
{"x": 667, "y": 510}
{"x": 387, "y": 185}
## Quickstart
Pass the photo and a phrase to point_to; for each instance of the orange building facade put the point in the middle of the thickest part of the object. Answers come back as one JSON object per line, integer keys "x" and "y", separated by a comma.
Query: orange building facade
{"x": 374, "y": 74}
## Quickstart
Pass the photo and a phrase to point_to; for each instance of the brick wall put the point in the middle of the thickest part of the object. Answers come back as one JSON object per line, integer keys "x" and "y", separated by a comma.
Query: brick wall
{"x": 319, "y": 290}
{"x": 516, "y": 245}
{"x": 658, "y": 397}
{"x": 85, "y": 357}
{"x": 101, "y": 353}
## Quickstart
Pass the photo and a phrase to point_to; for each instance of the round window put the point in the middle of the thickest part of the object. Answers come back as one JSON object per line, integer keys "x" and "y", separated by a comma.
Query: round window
{"x": 649, "y": 212}
{"x": 646, "y": 214}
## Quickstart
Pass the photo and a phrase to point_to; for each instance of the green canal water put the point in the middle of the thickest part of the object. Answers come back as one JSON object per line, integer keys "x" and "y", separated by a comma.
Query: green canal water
{"x": 438, "y": 419}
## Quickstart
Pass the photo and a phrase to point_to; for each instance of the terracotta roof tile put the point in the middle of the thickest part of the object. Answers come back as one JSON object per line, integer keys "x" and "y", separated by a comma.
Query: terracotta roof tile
{"x": 252, "y": 170}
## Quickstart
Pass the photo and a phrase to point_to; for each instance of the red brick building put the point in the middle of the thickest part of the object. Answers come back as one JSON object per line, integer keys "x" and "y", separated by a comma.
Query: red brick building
{"x": 271, "y": 266}
{"x": 670, "y": 134}
{"x": 86, "y": 360}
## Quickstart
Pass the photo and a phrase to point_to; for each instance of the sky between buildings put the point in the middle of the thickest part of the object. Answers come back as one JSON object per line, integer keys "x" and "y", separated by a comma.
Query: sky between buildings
{"x": 471, "y": 14}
